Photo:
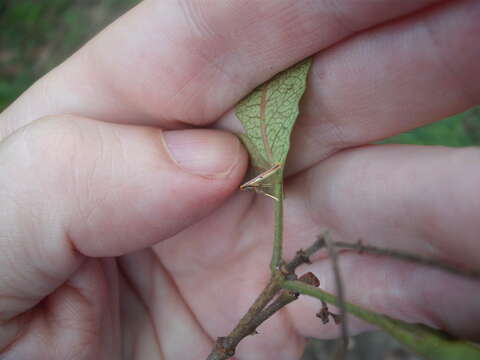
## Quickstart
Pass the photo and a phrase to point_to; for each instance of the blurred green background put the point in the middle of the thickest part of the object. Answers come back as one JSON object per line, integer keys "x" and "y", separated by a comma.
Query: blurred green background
{"x": 36, "y": 35}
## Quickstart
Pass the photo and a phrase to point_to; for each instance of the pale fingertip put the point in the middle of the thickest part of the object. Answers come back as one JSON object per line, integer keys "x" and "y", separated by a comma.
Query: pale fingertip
{"x": 207, "y": 153}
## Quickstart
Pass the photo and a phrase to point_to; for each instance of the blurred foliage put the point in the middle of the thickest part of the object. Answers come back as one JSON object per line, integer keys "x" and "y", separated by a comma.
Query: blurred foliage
{"x": 458, "y": 130}
{"x": 37, "y": 35}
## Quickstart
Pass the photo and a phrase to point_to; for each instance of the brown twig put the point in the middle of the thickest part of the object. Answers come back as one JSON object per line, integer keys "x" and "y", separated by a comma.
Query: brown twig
{"x": 342, "y": 347}
{"x": 404, "y": 256}
{"x": 225, "y": 347}
{"x": 324, "y": 313}
{"x": 263, "y": 307}
{"x": 303, "y": 256}
{"x": 285, "y": 298}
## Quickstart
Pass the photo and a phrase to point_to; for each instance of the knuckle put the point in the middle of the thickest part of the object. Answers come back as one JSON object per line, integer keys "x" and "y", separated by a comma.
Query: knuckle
{"x": 47, "y": 150}
{"x": 51, "y": 134}
{"x": 52, "y": 143}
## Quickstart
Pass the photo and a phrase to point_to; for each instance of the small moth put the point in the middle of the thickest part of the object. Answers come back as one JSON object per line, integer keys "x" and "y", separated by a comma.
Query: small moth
{"x": 258, "y": 183}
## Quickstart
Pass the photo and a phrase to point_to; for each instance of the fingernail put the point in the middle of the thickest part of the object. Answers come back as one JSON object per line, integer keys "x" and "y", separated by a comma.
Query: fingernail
{"x": 203, "y": 152}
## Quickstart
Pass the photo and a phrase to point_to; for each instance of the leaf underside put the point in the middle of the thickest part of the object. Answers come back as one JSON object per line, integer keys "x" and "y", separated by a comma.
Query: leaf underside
{"x": 269, "y": 113}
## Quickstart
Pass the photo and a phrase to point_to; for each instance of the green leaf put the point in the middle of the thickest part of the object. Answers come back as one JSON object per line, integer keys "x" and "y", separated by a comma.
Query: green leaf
{"x": 269, "y": 113}
{"x": 429, "y": 343}
{"x": 257, "y": 162}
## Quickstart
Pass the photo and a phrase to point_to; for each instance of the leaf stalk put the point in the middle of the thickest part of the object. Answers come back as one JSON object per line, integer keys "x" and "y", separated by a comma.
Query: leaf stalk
{"x": 278, "y": 225}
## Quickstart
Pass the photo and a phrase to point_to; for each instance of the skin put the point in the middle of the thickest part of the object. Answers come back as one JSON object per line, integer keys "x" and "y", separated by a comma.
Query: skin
{"x": 112, "y": 249}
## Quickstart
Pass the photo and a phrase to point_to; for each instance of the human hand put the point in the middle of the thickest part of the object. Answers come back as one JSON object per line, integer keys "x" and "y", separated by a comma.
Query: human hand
{"x": 83, "y": 194}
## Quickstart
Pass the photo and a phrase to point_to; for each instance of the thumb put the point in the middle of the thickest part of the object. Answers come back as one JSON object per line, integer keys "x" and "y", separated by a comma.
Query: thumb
{"x": 73, "y": 187}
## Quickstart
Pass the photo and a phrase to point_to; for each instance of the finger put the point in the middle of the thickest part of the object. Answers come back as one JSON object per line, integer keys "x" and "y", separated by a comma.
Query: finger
{"x": 158, "y": 297}
{"x": 74, "y": 320}
{"x": 422, "y": 200}
{"x": 406, "y": 197}
{"x": 171, "y": 62}
{"x": 388, "y": 80}
{"x": 73, "y": 187}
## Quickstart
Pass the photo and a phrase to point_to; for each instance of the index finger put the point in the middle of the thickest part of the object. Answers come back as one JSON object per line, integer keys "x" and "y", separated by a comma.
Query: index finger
{"x": 172, "y": 63}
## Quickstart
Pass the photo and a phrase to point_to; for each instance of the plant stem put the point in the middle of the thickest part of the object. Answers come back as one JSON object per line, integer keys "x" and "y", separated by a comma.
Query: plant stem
{"x": 303, "y": 256}
{"x": 278, "y": 224}
{"x": 341, "y": 348}
{"x": 404, "y": 256}
{"x": 264, "y": 307}
{"x": 225, "y": 346}
{"x": 262, "y": 300}
{"x": 302, "y": 288}
{"x": 285, "y": 298}
{"x": 422, "y": 340}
